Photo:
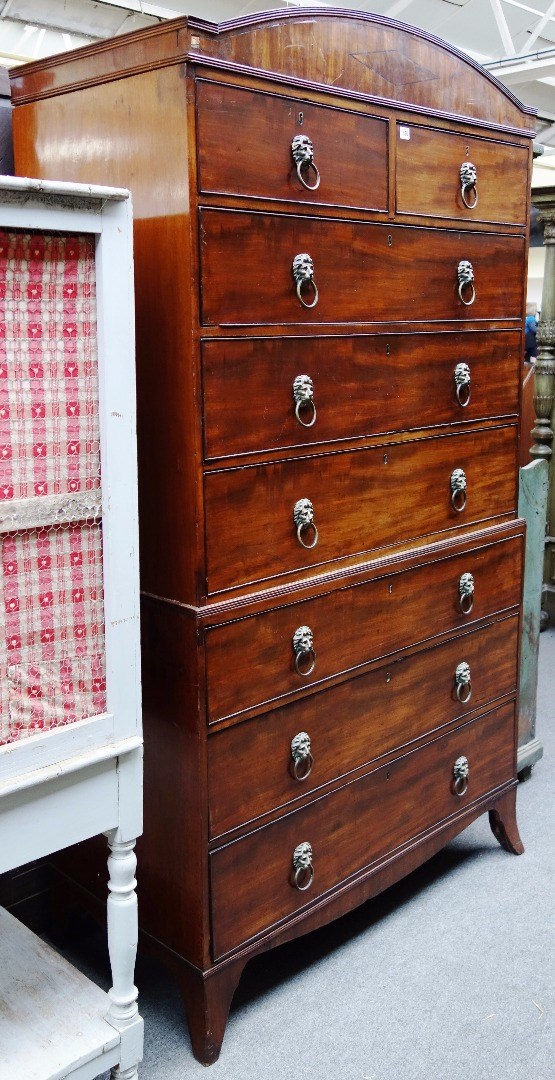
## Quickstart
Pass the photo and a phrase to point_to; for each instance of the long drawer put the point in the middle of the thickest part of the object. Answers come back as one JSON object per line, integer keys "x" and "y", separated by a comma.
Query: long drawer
{"x": 428, "y": 176}
{"x": 363, "y": 272}
{"x": 269, "y": 761}
{"x": 251, "y": 661}
{"x": 255, "y": 158}
{"x": 361, "y": 500}
{"x": 351, "y": 828}
{"x": 361, "y": 385}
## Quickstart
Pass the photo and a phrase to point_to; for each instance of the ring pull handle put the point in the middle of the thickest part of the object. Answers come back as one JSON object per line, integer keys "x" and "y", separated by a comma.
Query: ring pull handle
{"x": 303, "y": 396}
{"x": 303, "y": 516}
{"x": 303, "y": 648}
{"x": 303, "y": 155}
{"x": 458, "y": 490}
{"x": 461, "y": 772}
{"x": 462, "y": 384}
{"x": 302, "y": 874}
{"x": 465, "y": 276}
{"x": 302, "y": 759}
{"x": 466, "y": 593}
{"x": 463, "y": 683}
{"x": 303, "y": 272}
{"x": 469, "y": 182}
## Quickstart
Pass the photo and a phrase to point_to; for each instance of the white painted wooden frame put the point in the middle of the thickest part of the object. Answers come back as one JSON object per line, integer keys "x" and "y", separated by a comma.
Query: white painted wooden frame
{"x": 73, "y": 782}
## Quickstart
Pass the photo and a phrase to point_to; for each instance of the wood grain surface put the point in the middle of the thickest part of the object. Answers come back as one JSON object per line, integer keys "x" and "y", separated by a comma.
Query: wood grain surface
{"x": 362, "y": 499}
{"x": 353, "y": 826}
{"x": 363, "y": 272}
{"x": 363, "y": 385}
{"x": 251, "y": 660}
{"x": 249, "y": 765}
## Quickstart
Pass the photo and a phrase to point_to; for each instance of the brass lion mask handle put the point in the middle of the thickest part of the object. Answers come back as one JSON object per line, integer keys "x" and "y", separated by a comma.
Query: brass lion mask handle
{"x": 303, "y": 648}
{"x": 302, "y": 874}
{"x": 465, "y": 277}
{"x": 303, "y": 272}
{"x": 303, "y": 156}
{"x": 466, "y": 593}
{"x": 458, "y": 490}
{"x": 462, "y": 384}
{"x": 461, "y": 773}
{"x": 463, "y": 682}
{"x": 469, "y": 183}
{"x": 303, "y": 516}
{"x": 301, "y": 756}
{"x": 303, "y": 396}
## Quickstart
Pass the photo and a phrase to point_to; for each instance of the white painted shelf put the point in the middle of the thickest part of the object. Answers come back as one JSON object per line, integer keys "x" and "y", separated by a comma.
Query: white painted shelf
{"x": 42, "y": 996}
{"x": 70, "y": 722}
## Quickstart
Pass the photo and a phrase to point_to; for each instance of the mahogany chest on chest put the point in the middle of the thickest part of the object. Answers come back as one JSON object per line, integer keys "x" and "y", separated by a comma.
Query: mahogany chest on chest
{"x": 330, "y": 245}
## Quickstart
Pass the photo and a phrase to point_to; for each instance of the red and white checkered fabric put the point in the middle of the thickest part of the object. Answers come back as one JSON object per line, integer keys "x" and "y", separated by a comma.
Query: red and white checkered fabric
{"x": 49, "y": 438}
{"x": 51, "y": 602}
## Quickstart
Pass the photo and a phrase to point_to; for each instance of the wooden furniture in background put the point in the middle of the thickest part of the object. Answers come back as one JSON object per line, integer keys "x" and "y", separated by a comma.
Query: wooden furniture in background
{"x": 330, "y": 233}
{"x": 544, "y": 397}
{"x": 532, "y": 501}
{"x": 70, "y": 730}
{"x": 528, "y": 413}
{"x": 537, "y": 493}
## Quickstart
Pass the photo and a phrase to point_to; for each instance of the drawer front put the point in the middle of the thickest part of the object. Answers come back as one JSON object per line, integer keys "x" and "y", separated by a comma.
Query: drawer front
{"x": 361, "y": 499}
{"x": 245, "y": 142}
{"x": 361, "y": 386}
{"x": 262, "y": 764}
{"x": 252, "y": 661}
{"x": 428, "y": 177}
{"x": 353, "y": 827}
{"x": 363, "y": 272}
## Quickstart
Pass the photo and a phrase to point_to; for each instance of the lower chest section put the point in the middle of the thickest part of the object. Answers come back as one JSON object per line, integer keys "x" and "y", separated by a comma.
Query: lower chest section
{"x": 299, "y": 859}
{"x": 345, "y": 729}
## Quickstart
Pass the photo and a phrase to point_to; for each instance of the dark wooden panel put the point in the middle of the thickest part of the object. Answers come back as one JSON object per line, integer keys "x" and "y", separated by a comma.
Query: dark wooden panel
{"x": 252, "y": 660}
{"x": 352, "y": 827}
{"x": 244, "y": 148}
{"x": 249, "y": 765}
{"x": 428, "y": 176}
{"x": 363, "y": 271}
{"x": 362, "y": 386}
{"x": 174, "y": 783}
{"x": 362, "y": 499}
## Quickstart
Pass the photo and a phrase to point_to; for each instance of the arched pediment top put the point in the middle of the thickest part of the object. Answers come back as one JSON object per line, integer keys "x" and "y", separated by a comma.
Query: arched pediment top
{"x": 351, "y": 53}
{"x": 367, "y": 55}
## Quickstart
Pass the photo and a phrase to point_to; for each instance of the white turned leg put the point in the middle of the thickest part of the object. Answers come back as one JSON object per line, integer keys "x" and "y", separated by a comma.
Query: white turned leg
{"x": 122, "y": 947}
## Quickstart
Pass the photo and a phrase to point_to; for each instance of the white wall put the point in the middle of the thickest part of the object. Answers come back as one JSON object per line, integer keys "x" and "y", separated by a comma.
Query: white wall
{"x": 536, "y": 261}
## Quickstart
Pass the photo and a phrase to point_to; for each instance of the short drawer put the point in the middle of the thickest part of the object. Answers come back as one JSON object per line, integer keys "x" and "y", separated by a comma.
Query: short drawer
{"x": 363, "y": 272}
{"x": 428, "y": 176}
{"x": 360, "y": 499}
{"x": 245, "y": 142}
{"x": 352, "y": 828}
{"x": 269, "y": 761}
{"x": 253, "y": 661}
{"x": 256, "y": 394}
